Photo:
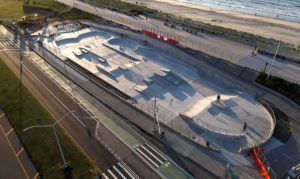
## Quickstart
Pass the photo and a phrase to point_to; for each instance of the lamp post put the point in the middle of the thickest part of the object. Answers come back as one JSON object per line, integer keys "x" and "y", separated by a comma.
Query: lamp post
{"x": 273, "y": 61}
{"x": 53, "y": 127}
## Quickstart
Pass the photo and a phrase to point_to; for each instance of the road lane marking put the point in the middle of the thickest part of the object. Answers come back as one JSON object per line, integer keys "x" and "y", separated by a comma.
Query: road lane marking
{"x": 152, "y": 155}
{"x": 36, "y": 175}
{"x": 1, "y": 115}
{"x": 105, "y": 177}
{"x": 111, "y": 173}
{"x": 15, "y": 153}
{"x": 156, "y": 151}
{"x": 146, "y": 157}
{"x": 9, "y": 131}
{"x": 126, "y": 171}
{"x": 118, "y": 171}
{"x": 21, "y": 150}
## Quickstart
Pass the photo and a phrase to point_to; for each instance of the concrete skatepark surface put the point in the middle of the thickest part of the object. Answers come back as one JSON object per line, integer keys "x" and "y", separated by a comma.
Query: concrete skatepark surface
{"x": 143, "y": 72}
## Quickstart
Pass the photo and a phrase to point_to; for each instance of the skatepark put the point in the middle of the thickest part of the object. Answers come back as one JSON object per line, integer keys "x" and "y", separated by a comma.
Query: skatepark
{"x": 195, "y": 101}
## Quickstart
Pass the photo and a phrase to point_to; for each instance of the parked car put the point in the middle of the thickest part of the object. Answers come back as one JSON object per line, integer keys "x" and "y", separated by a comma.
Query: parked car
{"x": 294, "y": 173}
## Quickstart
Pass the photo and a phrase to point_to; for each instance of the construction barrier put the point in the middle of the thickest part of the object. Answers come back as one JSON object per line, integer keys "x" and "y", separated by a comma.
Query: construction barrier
{"x": 160, "y": 37}
{"x": 258, "y": 162}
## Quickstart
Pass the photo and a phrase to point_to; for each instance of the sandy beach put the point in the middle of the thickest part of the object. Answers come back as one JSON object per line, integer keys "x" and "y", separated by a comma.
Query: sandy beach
{"x": 264, "y": 26}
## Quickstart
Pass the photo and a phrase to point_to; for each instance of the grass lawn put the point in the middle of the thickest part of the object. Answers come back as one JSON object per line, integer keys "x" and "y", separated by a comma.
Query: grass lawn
{"x": 282, "y": 86}
{"x": 122, "y": 6}
{"x": 24, "y": 110}
{"x": 48, "y": 3}
{"x": 11, "y": 8}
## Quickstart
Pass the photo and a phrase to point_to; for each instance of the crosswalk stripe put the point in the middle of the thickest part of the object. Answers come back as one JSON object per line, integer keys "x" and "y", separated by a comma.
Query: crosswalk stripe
{"x": 1, "y": 44}
{"x": 123, "y": 168}
{"x": 104, "y": 176}
{"x": 156, "y": 152}
{"x": 114, "y": 167}
{"x": 152, "y": 155}
{"x": 111, "y": 173}
{"x": 151, "y": 161}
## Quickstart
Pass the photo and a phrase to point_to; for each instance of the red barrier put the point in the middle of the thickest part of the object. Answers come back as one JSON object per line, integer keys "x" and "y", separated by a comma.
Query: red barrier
{"x": 259, "y": 164}
{"x": 161, "y": 37}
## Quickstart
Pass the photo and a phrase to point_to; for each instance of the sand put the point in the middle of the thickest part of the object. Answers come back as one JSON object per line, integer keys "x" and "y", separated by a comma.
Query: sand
{"x": 264, "y": 26}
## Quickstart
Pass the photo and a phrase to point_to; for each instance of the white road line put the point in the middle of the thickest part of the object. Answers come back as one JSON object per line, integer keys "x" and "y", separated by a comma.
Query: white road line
{"x": 114, "y": 167}
{"x": 153, "y": 163}
{"x": 111, "y": 173}
{"x": 152, "y": 155}
{"x": 104, "y": 176}
{"x": 54, "y": 95}
{"x": 156, "y": 152}
{"x": 123, "y": 168}
{"x": 1, "y": 44}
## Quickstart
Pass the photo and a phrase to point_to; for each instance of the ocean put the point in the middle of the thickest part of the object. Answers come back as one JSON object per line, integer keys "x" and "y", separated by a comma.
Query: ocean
{"x": 281, "y": 9}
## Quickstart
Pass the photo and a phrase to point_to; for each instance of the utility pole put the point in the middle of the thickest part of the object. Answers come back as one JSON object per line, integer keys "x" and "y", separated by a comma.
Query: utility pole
{"x": 273, "y": 60}
{"x": 156, "y": 121}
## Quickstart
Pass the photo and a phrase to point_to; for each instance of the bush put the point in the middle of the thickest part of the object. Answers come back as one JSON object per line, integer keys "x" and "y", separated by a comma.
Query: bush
{"x": 288, "y": 89}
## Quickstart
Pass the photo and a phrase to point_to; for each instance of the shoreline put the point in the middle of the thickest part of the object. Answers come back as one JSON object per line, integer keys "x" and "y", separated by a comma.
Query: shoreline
{"x": 287, "y": 31}
{"x": 258, "y": 13}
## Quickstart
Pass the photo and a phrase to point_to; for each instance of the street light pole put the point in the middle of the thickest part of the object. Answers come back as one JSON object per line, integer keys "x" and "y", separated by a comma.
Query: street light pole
{"x": 273, "y": 60}
{"x": 61, "y": 152}
{"x": 57, "y": 140}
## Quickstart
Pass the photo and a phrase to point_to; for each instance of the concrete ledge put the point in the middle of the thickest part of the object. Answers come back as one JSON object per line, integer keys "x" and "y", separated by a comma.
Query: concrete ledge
{"x": 219, "y": 104}
{"x": 186, "y": 116}
{"x": 105, "y": 71}
{"x": 102, "y": 60}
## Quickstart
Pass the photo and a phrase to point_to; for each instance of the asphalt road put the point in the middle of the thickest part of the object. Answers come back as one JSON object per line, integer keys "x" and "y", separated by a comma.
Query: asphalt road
{"x": 13, "y": 156}
{"x": 83, "y": 136}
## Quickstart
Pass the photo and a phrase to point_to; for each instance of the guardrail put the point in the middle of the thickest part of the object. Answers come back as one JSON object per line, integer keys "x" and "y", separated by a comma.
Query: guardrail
{"x": 219, "y": 130}
{"x": 268, "y": 107}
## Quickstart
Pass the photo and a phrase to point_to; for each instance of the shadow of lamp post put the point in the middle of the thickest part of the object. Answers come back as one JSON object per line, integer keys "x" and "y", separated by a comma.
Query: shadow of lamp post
{"x": 53, "y": 127}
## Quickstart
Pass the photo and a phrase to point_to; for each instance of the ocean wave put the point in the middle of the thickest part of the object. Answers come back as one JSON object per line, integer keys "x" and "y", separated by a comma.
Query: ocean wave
{"x": 283, "y": 9}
